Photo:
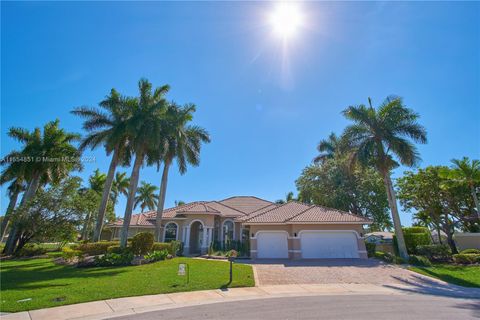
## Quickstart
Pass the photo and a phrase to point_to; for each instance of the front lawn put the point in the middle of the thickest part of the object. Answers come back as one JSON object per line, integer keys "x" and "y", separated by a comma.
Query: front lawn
{"x": 48, "y": 285}
{"x": 467, "y": 276}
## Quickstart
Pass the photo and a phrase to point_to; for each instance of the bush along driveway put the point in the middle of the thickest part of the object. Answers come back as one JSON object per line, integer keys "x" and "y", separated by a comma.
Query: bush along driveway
{"x": 39, "y": 283}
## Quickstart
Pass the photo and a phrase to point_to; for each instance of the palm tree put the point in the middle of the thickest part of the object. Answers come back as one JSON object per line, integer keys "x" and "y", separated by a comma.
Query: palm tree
{"x": 327, "y": 148}
{"x": 288, "y": 197}
{"x": 177, "y": 140}
{"x": 107, "y": 127}
{"x": 147, "y": 118}
{"x": 380, "y": 134}
{"x": 120, "y": 186}
{"x": 97, "y": 181}
{"x": 146, "y": 196}
{"x": 48, "y": 158}
{"x": 466, "y": 172}
{"x": 16, "y": 187}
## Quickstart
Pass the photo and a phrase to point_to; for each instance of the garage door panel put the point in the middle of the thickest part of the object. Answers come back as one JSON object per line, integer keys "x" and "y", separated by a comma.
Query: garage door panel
{"x": 272, "y": 245}
{"x": 318, "y": 245}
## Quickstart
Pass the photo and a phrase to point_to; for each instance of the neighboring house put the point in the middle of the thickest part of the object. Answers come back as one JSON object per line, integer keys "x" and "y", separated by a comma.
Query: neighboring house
{"x": 292, "y": 230}
{"x": 379, "y": 237}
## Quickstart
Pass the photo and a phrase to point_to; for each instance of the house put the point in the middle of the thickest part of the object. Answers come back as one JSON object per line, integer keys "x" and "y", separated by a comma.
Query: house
{"x": 291, "y": 230}
{"x": 379, "y": 237}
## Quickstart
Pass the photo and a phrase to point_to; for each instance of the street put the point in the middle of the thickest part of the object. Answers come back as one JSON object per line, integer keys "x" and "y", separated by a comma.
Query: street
{"x": 358, "y": 307}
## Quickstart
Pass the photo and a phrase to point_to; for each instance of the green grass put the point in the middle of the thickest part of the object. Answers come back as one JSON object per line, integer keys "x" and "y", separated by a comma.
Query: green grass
{"x": 467, "y": 276}
{"x": 50, "y": 285}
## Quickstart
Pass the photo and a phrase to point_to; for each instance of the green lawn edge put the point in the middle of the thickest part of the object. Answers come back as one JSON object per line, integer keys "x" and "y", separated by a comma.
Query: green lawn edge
{"x": 50, "y": 285}
{"x": 465, "y": 276}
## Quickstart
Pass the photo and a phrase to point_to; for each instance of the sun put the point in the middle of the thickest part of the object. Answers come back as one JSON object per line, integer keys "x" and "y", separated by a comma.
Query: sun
{"x": 286, "y": 20}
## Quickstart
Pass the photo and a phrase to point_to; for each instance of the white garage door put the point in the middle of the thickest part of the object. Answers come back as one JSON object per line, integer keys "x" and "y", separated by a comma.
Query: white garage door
{"x": 272, "y": 245}
{"x": 317, "y": 245}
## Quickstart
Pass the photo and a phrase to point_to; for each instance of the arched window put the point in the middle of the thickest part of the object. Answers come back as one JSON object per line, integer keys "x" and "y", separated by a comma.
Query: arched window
{"x": 171, "y": 230}
{"x": 228, "y": 230}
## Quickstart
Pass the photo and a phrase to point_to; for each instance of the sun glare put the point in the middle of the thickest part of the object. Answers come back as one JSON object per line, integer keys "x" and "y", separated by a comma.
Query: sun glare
{"x": 285, "y": 20}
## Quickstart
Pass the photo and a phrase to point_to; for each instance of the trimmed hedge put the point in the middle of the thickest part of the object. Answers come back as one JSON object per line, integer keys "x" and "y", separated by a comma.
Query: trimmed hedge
{"x": 414, "y": 236}
{"x": 435, "y": 252}
{"x": 142, "y": 243}
{"x": 371, "y": 249}
{"x": 95, "y": 248}
{"x": 466, "y": 258}
{"x": 31, "y": 250}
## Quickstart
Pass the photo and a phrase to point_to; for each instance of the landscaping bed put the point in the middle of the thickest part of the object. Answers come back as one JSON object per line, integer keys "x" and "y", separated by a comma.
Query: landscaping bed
{"x": 40, "y": 283}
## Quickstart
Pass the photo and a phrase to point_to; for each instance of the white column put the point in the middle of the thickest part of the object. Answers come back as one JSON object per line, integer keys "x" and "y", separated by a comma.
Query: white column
{"x": 210, "y": 234}
{"x": 204, "y": 238}
{"x": 186, "y": 248}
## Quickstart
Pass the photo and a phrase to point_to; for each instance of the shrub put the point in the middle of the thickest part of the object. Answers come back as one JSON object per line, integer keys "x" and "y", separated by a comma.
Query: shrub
{"x": 114, "y": 259}
{"x": 398, "y": 260}
{"x": 385, "y": 256}
{"x": 31, "y": 250}
{"x": 177, "y": 248}
{"x": 95, "y": 248}
{"x": 371, "y": 249}
{"x": 142, "y": 243}
{"x": 157, "y": 255}
{"x": 118, "y": 249}
{"x": 435, "y": 252}
{"x": 159, "y": 246}
{"x": 470, "y": 251}
{"x": 419, "y": 261}
{"x": 231, "y": 253}
{"x": 466, "y": 258}
{"x": 69, "y": 253}
{"x": 414, "y": 236}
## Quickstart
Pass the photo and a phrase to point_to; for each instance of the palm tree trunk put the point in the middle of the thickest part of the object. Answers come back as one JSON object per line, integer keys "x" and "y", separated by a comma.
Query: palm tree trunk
{"x": 161, "y": 201}
{"x": 85, "y": 226}
{"x": 475, "y": 199}
{"x": 6, "y": 219}
{"x": 14, "y": 232}
{"x": 132, "y": 190}
{"x": 392, "y": 201}
{"x": 107, "y": 188}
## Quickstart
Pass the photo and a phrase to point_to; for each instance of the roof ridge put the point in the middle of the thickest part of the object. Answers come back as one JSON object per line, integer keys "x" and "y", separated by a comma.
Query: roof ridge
{"x": 222, "y": 204}
{"x": 245, "y": 197}
{"x": 261, "y": 214}
{"x": 309, "y": 207}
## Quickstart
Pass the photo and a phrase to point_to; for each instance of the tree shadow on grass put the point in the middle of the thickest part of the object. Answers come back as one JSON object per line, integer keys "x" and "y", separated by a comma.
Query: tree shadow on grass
{"x": 23, "y": 278}
{"x": 450, "y": 278}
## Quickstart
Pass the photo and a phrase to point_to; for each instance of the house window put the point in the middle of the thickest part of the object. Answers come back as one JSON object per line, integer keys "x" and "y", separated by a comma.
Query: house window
{"x": 227, "y": 231}
{"x": 171, "y": 232}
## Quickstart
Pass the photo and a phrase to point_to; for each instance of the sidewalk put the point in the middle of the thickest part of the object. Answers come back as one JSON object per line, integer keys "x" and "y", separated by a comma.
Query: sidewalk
{"x": 105, "y": 309}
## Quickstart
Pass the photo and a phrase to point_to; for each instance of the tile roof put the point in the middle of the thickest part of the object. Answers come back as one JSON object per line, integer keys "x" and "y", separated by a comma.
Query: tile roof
{"x": 294, "y": 212}
{"x": 247, "y": 204}
{"x": 256, "y": 213}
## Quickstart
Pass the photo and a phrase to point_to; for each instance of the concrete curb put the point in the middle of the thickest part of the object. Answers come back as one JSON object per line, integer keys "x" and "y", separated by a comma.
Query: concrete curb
{"x": 111, "y": 308}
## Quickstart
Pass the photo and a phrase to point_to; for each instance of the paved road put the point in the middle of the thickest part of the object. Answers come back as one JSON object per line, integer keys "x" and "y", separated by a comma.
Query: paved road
{"x": 371, "y": 271}
{"x": 358, "y": 307}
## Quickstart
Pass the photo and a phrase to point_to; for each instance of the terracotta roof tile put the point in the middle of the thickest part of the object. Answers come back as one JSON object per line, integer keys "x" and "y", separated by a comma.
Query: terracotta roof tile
{"x": 294, "y": 212}
{"x": 247, "y": 204}
{"x": 256, "y": 213}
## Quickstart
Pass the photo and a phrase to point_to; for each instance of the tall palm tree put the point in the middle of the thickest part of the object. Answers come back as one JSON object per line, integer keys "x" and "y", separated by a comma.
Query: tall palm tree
{"x": 107, "y": 127}
{"x": 146, "y": 196}
{"x": 327, "y": 148}
{"x": 120, "y": 186}
{"x": 468, "y": 173}
{"x": 147, "y": 118}
{"x": 177, "y": 140}
{"x": 49, "y": 157}
{"x": 379, "y": 135}
{"x": 16, "y": 187}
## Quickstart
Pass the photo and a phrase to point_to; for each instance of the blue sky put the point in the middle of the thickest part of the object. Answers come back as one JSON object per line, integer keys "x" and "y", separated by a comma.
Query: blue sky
{"x": 265, "y": 104}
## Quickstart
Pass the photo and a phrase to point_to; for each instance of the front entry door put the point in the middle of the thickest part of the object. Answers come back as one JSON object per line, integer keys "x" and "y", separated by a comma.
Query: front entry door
{"x": 196, "y": 236}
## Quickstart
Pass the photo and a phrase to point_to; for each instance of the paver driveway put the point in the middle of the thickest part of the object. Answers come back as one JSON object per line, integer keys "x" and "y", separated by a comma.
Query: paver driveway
{"x": 361, "y": 271}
